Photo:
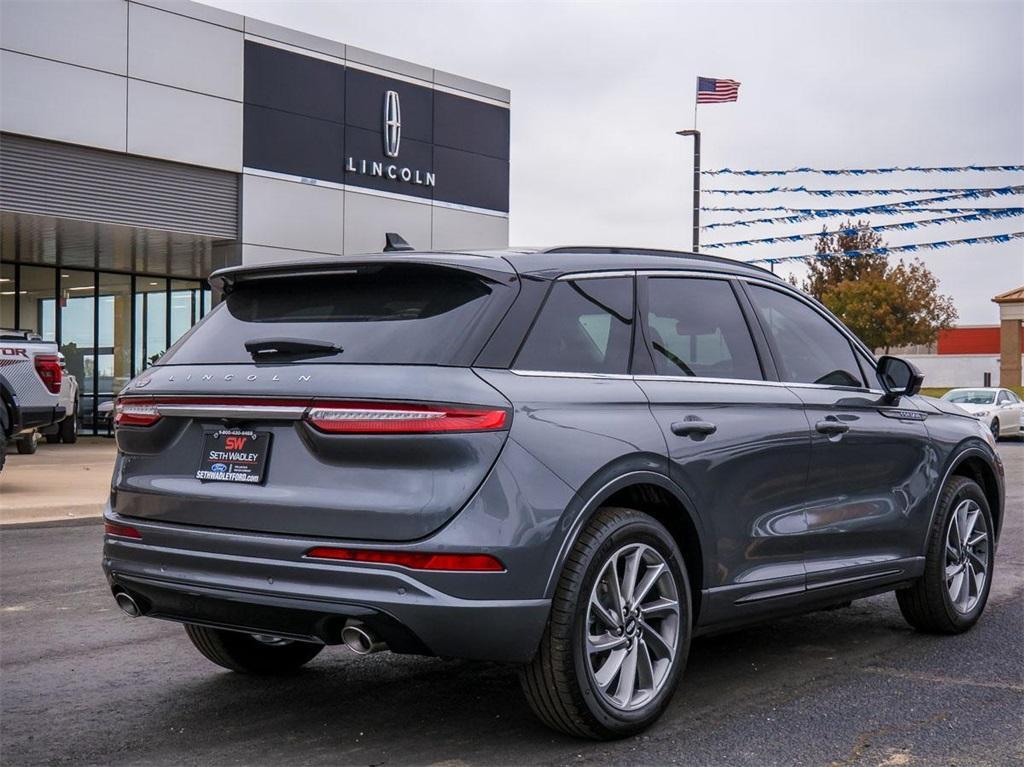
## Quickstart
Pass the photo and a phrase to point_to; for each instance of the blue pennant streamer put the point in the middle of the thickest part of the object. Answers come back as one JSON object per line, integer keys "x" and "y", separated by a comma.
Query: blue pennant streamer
{"x": 881, "y": 208}
{"x": 868, "y": 171}
{"x": 848, "y": 192}
{"x": 894, "y": 211}
{"x": 894, "y": 248}
{"x": 902, "y": 226}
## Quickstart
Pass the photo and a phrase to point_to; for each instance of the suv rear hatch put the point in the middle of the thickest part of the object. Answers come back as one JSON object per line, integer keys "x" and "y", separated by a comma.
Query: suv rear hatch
{"x": 333, "y": 399}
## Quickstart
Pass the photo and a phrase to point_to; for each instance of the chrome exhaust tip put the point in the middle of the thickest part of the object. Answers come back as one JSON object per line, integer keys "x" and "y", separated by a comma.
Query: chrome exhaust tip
{"x": 127, "y": 604}
{"x": 360, "y": 639}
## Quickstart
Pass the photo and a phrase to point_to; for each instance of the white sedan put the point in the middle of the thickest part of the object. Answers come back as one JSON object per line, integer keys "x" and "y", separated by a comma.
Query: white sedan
{"x": 1001, "y": 409}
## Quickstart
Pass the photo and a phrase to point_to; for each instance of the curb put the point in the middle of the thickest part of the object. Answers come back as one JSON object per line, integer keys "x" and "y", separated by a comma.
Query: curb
{"x": 73, "y": 522}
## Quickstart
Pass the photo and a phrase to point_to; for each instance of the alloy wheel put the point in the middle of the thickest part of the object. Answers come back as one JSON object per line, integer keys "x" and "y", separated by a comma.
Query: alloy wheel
{"x": 632, "y": 627}
{"x": 967, "y": 556}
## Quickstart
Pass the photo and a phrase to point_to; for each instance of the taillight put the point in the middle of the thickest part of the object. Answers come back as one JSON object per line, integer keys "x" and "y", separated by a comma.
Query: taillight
{"x": 414, "y": 560}
{"x": 121, "y": 531}
{"x": 326, "y": 416}
{"x": 49, "y": 371}
{"x": 379, "y": 418}
{"x": 135, "y": 412}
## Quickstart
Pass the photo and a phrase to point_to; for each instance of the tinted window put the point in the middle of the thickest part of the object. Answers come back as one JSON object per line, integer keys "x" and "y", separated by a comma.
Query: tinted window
{"x": 808, "y": 348}
{"x": 695, "y": 328}
{"x": 379, "y": 314}
{"x": 585, "y": 326}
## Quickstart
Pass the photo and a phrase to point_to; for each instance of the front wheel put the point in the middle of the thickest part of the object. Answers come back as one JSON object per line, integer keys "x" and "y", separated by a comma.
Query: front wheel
{"x": 252, "y": 653}
{"x": 27, "y": 443}
{"x": 951, "y": 595}
{"x": 619, "y": 631}
{"x": 994, "y": 428}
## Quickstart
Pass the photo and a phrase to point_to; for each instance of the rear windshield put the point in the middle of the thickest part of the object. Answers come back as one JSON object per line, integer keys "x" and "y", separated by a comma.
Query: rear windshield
{"x": 379, "y": 314}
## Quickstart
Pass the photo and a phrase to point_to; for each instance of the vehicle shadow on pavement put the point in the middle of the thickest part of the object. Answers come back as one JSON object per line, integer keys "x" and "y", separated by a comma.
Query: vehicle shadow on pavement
{"x": 384, "y": 708}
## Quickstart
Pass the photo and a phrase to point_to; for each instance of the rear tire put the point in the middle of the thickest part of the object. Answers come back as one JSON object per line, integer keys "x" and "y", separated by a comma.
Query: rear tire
{"x": 68, "y": 431}
{"x": 951, "y": 567}
{"x": 27, "y": 443}
{"x": 246, "y": 654}
{"x": 648, "y": 639}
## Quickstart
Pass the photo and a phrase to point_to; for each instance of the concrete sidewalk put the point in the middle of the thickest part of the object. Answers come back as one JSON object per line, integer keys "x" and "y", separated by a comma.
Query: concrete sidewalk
{"x": 59, "y": 482}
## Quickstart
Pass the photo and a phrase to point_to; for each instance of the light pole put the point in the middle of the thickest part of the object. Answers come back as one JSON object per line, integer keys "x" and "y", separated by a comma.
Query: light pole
{"x": 696, "y": 185}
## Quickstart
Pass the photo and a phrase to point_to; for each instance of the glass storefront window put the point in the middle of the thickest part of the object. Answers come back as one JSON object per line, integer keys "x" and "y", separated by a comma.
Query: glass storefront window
{"x": 185, "y": 307}
{"x": 77, "y": 339}
{"x": 113, "y": 361}
{"x": 37, "y": 307}
{"x": 7, "y": 293}
{"x": 150, "y": 321}
{"x": 107, "y": 332}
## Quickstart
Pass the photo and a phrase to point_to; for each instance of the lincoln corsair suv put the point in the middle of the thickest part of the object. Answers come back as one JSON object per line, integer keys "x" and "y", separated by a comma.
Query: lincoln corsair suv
{"x": 574, "y": 460}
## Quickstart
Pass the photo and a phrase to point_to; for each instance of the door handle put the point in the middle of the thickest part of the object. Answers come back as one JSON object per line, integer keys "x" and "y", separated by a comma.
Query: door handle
{"x": 831, "y": 427}
{"x": 693, "y": 426}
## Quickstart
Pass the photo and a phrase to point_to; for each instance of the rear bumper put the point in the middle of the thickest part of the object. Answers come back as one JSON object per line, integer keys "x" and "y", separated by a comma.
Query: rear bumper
{"x": 262, "y": 584}
{"x": 25, "y": 418}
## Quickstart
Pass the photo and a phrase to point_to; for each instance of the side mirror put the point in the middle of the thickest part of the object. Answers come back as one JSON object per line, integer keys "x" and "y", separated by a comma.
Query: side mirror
{"x": 899, "y": 377}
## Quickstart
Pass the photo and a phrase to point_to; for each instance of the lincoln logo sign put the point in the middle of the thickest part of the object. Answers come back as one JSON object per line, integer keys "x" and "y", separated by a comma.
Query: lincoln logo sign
{"x": 392, "y": 133}
{"x": 392, "y": 123}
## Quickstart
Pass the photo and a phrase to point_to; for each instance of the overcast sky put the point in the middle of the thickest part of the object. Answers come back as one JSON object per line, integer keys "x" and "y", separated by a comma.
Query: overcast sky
{"x": 598, "y": 90}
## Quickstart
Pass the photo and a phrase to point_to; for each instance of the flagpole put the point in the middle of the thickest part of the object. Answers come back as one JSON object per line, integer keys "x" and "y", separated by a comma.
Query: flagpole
{"x": 696, "y": 88}
{"x": 695, "y": 235}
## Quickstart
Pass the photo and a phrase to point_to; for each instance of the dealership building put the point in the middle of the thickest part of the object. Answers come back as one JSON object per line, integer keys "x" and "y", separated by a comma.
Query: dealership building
{"x": 146, "y": 143}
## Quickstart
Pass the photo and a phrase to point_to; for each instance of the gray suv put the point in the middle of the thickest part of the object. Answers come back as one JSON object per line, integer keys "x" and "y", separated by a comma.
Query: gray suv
{"x": 574, "y": 460}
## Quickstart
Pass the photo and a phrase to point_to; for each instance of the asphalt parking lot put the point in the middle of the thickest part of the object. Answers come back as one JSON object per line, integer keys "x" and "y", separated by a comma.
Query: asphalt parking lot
{"x": 83, "y": 684}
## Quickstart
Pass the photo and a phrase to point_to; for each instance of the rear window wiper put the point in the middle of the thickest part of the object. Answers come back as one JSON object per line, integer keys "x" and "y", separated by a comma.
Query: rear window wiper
{"x": 267, "y": 348}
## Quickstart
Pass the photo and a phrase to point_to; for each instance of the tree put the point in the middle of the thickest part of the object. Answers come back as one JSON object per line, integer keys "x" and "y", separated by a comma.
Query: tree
{"x": 885, "y": 304}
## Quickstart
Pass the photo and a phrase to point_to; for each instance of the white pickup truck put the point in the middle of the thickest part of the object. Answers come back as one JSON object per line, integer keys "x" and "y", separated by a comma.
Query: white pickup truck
{"x": 30, "y": 388}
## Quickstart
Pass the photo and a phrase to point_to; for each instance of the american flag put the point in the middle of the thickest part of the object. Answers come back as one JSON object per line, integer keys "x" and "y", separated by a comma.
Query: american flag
{"x": 713, "y": 91}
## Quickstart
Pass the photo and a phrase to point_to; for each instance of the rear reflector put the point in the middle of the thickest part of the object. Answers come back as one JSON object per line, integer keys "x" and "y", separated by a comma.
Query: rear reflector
{"x": 379, "y": 418}
{"x": 49, "y": 371}
{"x": 123, "y": 531}
{"x": 476, "y": 563}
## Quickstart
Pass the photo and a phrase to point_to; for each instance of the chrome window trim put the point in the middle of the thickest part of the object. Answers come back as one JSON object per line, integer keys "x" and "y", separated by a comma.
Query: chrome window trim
{"x": 570, "y": 374}
{"x": 595, "y": 275}
{"x": 686, "y": 379}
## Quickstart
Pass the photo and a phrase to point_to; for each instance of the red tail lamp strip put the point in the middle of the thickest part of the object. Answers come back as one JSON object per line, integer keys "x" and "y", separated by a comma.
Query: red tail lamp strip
{"x": 378, "y": 418}
{"x": 122, "y": 531}
{"x": 476, "y": 563}
{"x": 333, "y": 417}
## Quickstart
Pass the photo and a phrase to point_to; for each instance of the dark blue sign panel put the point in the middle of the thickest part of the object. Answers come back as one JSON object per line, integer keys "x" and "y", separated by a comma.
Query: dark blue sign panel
{"x": 319, "y": 120}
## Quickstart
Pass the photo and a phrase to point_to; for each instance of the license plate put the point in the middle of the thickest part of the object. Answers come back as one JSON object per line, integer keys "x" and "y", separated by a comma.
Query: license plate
{"x": 234, "y": 455}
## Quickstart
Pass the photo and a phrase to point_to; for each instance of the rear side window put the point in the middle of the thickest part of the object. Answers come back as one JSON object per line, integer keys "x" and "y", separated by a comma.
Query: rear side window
{"x": 585, "y": 326}
{"x": 696, "y": 328}
{"x": 808, "y": 348}
{"x": 377, "y": 314}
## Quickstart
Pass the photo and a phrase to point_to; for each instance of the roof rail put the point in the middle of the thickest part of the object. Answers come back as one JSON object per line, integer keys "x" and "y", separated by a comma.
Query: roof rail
{"x": 599, "y": 249}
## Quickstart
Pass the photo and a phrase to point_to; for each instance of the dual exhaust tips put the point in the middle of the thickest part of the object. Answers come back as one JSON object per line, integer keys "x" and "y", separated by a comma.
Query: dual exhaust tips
{"x": 356, "y": 635}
